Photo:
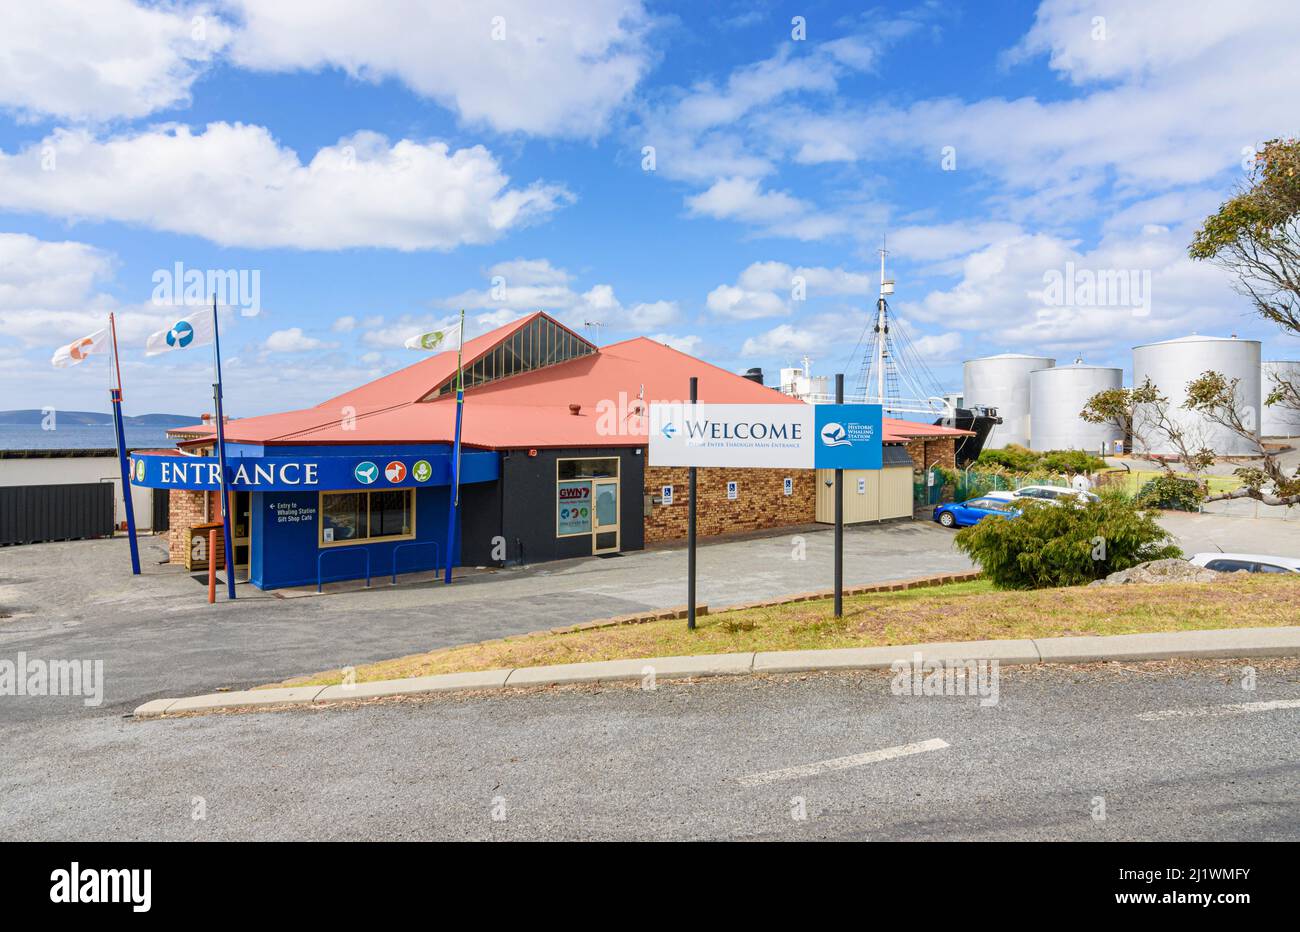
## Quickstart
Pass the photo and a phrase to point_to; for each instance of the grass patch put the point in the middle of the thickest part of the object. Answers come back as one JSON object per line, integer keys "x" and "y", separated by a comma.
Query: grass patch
{"x": 968, "y": 611}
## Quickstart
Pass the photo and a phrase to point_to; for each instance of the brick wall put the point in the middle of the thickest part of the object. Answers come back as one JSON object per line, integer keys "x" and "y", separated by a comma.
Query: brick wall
{"x": 185, "y": 508}
{"x": 941, "y": 451}
{"x": 761, "y": 501}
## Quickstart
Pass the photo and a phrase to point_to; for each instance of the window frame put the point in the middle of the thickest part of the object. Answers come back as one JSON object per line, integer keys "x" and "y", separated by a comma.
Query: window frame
{"x": 591, "y": 482}
{"x": 322, "y": 543}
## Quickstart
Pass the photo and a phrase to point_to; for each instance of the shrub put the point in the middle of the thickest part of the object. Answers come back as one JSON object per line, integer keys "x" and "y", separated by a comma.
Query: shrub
{"x": 1013, "y": 457}
{"x": 1053, "y": 462}
{"x": 1072, "y": 462}
{"x": 1170, "y": 492}
{"x": 1065, "y": 544}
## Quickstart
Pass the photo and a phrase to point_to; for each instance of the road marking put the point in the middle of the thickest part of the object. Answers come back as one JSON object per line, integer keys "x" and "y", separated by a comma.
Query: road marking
{"x": 842, "y": 763}
{"x": 1233, "y": 708}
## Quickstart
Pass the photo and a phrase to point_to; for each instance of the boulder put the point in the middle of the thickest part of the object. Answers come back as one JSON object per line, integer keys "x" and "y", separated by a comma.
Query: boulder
{"x": 1161, "y": 571}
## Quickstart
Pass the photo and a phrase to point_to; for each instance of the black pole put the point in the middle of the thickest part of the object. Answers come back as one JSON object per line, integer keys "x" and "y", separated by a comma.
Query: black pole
{"x": 839, "y": 517}
{"x": 690, "y": 528}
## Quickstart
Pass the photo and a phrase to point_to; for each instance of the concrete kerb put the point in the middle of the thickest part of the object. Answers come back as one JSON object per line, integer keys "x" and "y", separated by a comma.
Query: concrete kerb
{"x": 1216, "y": 644}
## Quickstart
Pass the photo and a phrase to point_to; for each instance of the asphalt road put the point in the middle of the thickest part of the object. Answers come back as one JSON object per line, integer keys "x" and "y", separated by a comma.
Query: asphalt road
{"x": 1168, "y": 747}
{"x": 157, "y": 636}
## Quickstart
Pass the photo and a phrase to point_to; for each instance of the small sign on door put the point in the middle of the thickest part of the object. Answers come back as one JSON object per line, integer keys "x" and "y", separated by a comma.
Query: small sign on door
{"x": 789, "y": 485}
{"x": 666, "y": 495}
{"x": 862, "y": 486}
{"x": 733, "y": 490}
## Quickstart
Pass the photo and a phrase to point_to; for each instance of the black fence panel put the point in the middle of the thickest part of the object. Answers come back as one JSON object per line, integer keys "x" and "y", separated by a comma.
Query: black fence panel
{"x": 30, "y": 514}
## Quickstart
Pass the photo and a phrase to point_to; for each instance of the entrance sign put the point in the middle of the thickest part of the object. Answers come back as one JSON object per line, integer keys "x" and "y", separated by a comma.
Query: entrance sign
{"x": 311, "y": 473}
{"x": 776, "y": 436}
{"x": 573, "y": 507}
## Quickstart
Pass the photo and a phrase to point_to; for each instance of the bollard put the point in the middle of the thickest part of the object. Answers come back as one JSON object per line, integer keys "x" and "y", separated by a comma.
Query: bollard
{"x": 212, "y": 567}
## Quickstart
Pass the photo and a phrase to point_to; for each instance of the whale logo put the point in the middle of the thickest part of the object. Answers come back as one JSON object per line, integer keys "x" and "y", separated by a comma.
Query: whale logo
{"x": 834, "y": 435}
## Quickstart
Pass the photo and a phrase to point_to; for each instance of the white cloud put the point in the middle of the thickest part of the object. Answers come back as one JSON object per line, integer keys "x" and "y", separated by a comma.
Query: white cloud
{"x": 525, "y": 285}
{"x": 102, "y": 59}
{"x": 293, "y": 340}
{"x": 783, "y": 340}
{"x": 561, "y": 68}
{"x": 688, "y": 344}
{"x": 768, "y": 289}
{"x": 741, "y": 199}
{"x": 35, "y": 273}
{"x": 345, "y": 324}
{"x": 234, "y": 185}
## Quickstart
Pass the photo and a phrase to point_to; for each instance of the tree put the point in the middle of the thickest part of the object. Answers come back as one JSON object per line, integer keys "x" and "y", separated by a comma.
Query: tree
{"x": 1255, "y": 235}
{"x": 1144, "y": 417}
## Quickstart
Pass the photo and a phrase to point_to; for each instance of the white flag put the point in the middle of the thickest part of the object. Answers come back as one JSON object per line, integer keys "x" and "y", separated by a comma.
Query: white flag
{"x": 426, "y": 341}
{"x": 195, "y": 330}
{"x": 78, "y": 350}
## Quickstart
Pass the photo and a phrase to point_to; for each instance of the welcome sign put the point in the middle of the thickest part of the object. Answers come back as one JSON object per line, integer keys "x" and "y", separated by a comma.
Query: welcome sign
{"x": 780, "y": 436}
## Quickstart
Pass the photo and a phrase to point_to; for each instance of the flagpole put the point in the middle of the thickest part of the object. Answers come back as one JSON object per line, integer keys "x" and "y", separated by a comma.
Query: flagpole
{"x": 221, "y": 457}
{"x": 115, "y": 394}
{"x": 455, "y": 461}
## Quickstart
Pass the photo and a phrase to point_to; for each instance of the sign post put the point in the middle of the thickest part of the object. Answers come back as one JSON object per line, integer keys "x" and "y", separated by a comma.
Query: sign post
{"x": 765, "y": 436}
{"x": 839, "y": 516}
{"x": 690, "y": 528}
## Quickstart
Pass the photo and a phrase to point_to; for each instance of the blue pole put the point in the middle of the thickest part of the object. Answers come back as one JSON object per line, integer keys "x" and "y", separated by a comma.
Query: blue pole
{"x": 221, "y": 459}
{"x": 454, "y": 490}
{"x": 115, "y": 394}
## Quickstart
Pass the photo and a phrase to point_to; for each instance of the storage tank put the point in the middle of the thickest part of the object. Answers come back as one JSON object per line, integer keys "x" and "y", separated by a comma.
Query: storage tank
{"x": 1171, "y": 364}
{"x": 1279, "y": 420}
{"x": 1002, "y": 382}
{"x": 1058, "y": 394}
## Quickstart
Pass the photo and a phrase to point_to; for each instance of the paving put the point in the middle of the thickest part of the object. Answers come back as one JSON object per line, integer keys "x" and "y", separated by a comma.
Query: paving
{"x": 1165, "y": 751}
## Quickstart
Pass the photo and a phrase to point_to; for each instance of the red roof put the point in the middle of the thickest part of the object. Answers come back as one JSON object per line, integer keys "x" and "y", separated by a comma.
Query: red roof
{"x": 527, "y": 410}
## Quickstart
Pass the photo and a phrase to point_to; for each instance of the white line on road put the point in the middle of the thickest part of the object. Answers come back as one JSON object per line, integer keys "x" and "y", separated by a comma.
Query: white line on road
{"x": 842, "y": 763}
{"x": 1234, "y": 708}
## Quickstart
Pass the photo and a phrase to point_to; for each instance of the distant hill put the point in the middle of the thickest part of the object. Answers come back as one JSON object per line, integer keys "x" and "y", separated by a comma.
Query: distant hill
{"x": 33, "y": 417}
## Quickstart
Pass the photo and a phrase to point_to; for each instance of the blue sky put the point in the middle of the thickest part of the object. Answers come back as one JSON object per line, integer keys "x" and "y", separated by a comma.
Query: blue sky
{"x": 377, "y": 168}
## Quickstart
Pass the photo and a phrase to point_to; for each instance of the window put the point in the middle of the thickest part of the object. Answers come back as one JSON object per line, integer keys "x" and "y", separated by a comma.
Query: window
{"x": 1272, "y": 568}
{"x": 363, "y": 517}
{"x": 1228, "y": 566}
{"x": 602, "y": 468}
{"x": 540, "y": 343}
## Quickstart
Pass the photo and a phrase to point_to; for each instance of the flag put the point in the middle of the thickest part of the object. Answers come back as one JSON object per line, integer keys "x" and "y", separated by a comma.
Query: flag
{"x": 78, "y": 350}
{"x": 426, "y": 341}
{"x": 195, "y": 330}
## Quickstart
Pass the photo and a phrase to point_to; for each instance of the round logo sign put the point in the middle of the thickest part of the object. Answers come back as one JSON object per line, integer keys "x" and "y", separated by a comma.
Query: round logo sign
{"x": 422, "y": 471}
{"x": 181, "y": 334}
{"x": 834, "y": 435}
{"x": 139, "y": 470}
{"x": 395, "y": 471}
{"x": 366, "y": 472}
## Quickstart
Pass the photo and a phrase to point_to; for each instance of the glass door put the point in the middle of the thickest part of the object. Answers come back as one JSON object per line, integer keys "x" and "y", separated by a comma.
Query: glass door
{"x": 605, "y": 525}
{"x": 240, "y": 527}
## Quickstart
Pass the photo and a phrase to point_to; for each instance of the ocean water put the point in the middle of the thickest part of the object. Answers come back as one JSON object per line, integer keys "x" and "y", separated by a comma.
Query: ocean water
{"x": 80, "y": 437}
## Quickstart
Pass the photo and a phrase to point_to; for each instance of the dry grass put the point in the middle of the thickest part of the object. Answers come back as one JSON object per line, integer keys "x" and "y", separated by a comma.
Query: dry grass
{"x": 959, "y": 612}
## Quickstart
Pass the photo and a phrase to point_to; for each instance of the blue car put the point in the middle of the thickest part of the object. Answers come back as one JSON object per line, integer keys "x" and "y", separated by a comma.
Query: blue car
{"x": 964, "y": 514}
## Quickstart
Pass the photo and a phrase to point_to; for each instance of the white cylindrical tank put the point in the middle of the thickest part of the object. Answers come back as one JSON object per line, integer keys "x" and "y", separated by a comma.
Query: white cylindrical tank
{"x": 1058, "y": 394}
{"x": 1279, "y": 420}
{"x": 1171, "y": 364}
{"x": 1002, "y": 382}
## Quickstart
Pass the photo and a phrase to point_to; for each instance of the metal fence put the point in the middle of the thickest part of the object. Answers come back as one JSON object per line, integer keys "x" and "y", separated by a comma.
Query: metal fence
{"x": 929, "y": 487}
{"x": 30, "y": 514}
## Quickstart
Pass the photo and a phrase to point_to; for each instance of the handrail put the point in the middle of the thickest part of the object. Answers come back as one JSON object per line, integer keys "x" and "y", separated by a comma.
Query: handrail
{"x": 437, "y": 554}
{"x": 324, "y": 553}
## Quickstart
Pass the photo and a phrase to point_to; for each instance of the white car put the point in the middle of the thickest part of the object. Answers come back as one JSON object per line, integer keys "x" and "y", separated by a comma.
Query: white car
{"x": 1245, "y": 563}
{"x": 1044, "y": 493}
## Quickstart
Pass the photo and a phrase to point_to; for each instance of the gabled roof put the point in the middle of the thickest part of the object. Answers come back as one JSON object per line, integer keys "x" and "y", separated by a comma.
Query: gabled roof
{"x": 530, "y": 409}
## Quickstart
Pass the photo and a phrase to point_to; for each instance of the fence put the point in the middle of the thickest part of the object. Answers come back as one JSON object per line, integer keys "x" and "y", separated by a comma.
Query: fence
{"x": 971, "y": 484}
{"x": 33, "y": 513}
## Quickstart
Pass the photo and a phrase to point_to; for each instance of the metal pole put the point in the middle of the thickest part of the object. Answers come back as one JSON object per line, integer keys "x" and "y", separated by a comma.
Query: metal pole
{"x": 839, "y": 516}
{"x": 226, "y": 520}
{"x": 115, "y": 394}
{"x": 690, "y": 528}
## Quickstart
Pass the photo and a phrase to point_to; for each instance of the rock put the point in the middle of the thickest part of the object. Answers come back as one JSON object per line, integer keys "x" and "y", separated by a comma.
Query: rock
{"x": 1161, "y": 571}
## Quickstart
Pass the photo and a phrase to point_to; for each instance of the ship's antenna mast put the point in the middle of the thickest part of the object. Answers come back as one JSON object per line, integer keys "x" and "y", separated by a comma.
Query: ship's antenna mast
{"x": 882, "y": 325}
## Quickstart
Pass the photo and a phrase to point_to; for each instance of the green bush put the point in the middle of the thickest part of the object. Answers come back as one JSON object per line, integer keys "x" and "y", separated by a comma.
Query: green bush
{"x": 1064, "y": 544}
{"x": 1053, "y": 462}
{"x": 1170, "y": 492}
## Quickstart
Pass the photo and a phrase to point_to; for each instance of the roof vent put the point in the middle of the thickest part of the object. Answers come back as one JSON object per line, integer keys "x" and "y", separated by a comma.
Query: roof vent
{"x": 575, "y": 410}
